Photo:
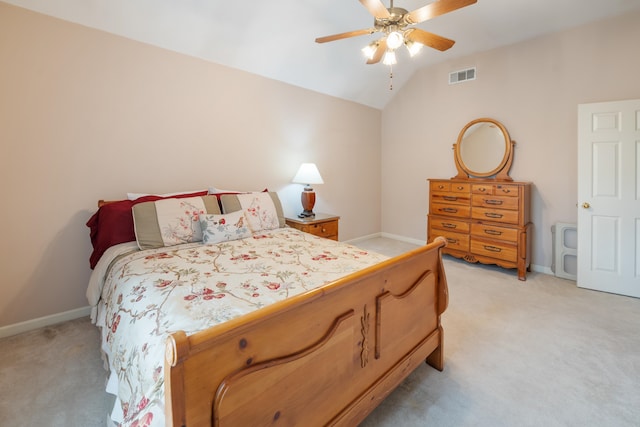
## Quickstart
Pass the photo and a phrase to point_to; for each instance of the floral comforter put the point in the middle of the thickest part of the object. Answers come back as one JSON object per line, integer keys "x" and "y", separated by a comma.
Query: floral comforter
{"x": 146, "y": 295}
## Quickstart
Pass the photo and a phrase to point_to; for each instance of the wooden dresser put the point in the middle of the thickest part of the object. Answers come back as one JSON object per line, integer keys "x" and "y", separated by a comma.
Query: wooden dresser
{"x": 485, "y": 221}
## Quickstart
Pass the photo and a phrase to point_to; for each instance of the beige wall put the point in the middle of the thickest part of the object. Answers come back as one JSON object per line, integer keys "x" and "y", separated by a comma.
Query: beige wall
{"x": 86, "y": 115}
{"x": 534, "y": 89}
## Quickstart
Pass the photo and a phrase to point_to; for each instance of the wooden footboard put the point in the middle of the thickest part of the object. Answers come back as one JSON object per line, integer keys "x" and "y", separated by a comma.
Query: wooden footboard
{"x": 327, "y": 357}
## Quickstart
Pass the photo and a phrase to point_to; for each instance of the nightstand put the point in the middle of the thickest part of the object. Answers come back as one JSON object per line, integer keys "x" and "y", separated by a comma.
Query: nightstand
{"x": 322, "y": 225}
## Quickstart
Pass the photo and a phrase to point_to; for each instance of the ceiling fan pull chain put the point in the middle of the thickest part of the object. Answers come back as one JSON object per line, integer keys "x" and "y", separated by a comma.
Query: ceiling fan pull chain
{"x": 390, "y": 77}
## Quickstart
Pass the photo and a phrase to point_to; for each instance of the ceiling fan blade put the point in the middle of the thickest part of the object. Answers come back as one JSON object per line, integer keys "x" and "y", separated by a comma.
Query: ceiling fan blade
{"x": 345, "y": 35}
{"x": 380, "y": 50}
{"x": 429, "y": 39}
{"x": 376, "y": 8}
{"x": 437, "y": 8}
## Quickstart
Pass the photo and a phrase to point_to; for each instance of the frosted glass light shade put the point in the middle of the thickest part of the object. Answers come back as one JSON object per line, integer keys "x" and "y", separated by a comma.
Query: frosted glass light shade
{"x": 394, "y": 40}
{"x": 389, "y": 58}
{"x": 308, "y": 174}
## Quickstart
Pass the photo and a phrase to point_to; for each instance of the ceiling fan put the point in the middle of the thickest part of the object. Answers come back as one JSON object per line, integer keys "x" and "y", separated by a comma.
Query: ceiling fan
{"x": 396, "y": 24}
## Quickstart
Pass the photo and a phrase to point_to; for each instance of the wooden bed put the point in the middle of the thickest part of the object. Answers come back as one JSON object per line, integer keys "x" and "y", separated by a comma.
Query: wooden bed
{"x": 328, "y": 356}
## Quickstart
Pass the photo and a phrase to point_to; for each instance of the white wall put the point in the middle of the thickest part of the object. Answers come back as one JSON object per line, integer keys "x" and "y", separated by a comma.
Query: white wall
{"x": 86, "y": 115}
{"x": 534, "y": 89}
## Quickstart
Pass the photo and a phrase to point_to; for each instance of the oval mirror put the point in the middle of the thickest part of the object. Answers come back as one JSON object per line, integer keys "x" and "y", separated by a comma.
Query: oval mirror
{"x": 483, "y": 150}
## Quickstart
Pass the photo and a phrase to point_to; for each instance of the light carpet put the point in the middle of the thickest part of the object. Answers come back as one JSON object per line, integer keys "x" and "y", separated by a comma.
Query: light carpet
{"x": 536, "y": 353}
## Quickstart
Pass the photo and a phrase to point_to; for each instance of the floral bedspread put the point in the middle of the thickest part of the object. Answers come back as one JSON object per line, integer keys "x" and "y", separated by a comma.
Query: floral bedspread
{"x": 149, "y": 294}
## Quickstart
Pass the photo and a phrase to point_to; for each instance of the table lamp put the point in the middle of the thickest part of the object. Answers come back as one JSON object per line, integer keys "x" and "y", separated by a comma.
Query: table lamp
{"x": 308, "y": 174}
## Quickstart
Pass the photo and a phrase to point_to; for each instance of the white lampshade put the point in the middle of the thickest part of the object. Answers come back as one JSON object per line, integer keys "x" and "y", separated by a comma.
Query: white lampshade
{"x": 308, "y": 174}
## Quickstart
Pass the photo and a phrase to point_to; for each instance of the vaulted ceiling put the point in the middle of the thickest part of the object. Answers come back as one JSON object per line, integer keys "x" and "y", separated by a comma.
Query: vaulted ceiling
{"x": 275, "y": 39}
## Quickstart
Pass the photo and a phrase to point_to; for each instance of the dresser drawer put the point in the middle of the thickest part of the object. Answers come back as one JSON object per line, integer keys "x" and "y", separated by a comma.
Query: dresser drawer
{"x": 449, "y": 187}
{"x": 495, "y": 189}
{"x": 451, "y": 198}
{"x": 490, "y": 201}
{"x": 449, "y": 224}
{"x": 324, "y": 229}
{"x": 451, "y": 210}
{"x": 496, "y": 215}
{"x": 493, "y": 232}
{"x": 493, "y": 249}
{"x": 456, "y": 241}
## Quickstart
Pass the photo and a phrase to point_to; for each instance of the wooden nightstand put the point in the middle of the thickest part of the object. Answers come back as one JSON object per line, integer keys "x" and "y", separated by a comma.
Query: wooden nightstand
{"x": 322, "y": 225}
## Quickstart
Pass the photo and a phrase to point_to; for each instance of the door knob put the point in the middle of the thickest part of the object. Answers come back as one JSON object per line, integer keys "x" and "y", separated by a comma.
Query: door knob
{"x": 586, "y": 205}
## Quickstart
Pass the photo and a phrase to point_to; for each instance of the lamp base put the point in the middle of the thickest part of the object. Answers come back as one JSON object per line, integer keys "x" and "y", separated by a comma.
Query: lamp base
{"x": 306, "y": 214}
{"x": 308, "y": 198}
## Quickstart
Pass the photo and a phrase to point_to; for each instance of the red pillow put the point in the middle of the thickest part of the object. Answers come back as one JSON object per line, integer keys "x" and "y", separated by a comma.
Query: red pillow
{"x": 113, "y": 223}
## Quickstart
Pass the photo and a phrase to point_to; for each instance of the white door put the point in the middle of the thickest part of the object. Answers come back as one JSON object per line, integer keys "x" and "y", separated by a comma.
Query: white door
{"x": 609, "y": 197}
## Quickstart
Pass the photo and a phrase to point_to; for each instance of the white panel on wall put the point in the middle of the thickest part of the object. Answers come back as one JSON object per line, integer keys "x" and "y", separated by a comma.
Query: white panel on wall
{"x": 606, "y": 169}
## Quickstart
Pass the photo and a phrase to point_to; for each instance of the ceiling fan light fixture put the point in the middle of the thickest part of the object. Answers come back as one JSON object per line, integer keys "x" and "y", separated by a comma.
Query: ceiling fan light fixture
{"x": 370, "y": 49}
{"x": 413, "y": 47}
{"x": 395, "y": 40}
{"x": 389, "y": 58}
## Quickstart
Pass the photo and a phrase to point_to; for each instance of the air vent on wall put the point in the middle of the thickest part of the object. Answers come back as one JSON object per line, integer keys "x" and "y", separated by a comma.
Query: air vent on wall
{"x": 462, "y": 75}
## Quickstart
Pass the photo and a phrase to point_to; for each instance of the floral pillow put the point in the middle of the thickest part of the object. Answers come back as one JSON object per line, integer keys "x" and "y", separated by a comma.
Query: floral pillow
{"x": 222, "y": 228}
{"x": 260, "y": 211}
{"x": 169, "y": 222}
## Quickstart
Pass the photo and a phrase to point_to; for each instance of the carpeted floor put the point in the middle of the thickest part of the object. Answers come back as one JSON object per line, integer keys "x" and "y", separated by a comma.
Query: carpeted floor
{"x": 536, "y": 353}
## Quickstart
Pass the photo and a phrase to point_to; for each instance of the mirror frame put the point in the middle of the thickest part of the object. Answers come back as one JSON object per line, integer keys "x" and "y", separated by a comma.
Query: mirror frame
{"x": 501, "y": 171}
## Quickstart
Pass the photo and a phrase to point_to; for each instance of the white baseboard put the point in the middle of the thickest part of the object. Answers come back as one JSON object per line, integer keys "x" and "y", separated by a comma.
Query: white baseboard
{"x": 404, "y": 239}
{"x": 363, "y": 238}
{"x": 541, "y": 269}
{"x": 41, "y": 322}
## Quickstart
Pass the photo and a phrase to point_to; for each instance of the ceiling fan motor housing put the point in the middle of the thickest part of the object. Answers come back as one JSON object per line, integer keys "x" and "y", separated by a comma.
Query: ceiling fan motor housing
{"x": 395, "y": 18}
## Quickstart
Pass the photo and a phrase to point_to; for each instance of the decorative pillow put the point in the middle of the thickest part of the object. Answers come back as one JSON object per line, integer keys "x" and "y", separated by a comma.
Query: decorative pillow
{"x": 134, "y": 196}
{"x": 222, "y": 228}
{"x": 113, "y": 224}
{"x": 219, "y": 193}
{"x": 172, "y": 221}
{"x": 231, "y": 203}
{"x": 260, "y": 211}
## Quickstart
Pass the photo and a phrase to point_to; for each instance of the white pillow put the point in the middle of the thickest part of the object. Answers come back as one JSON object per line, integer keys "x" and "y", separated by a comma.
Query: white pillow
{"x": 223, "y": 228}
{"x": 260, "y": 211}
{"x": 178, "y": 220}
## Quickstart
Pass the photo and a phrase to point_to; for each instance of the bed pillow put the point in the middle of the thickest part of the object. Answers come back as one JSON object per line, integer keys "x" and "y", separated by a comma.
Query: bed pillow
{"x": 172, "y": 221}
{"x": 112, "y": 224}
{"x": 263, "y": 210}
{"x": 223, "y": 228}
{"x": 219, "y": 193}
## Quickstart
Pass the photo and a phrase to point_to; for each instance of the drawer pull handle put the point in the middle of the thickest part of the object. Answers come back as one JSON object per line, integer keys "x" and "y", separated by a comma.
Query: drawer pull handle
{"x": 493, "y": 202}
{"x": 493, "y": 248}
{"x": 493, "y": 232}
{"x": 449, "y": 210}
{"x": 448, "y": 225}
{"x": 324, "y": 230}
{"x": 440, "y": 187}
{"x": 460, "y": 188}
{"x": 450, "y": 198}
{"x": 506, "y": 190}
{"x": 482, "y": 190}
{"x": 493, "y": 215}
{"x": 450, "y": 240}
